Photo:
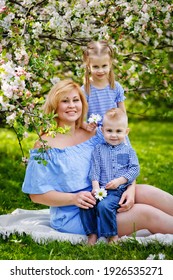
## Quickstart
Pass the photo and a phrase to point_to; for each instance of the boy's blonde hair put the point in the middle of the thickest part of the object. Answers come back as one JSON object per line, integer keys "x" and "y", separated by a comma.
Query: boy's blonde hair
{"x": 57, "y": 93}
{"x": 116, "y": 114}
{"x": 97, "y": 48}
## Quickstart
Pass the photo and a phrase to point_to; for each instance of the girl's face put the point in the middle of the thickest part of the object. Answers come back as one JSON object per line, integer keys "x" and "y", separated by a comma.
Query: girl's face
{"x": 70, "y": 108}
{"x": 100, "y": 67}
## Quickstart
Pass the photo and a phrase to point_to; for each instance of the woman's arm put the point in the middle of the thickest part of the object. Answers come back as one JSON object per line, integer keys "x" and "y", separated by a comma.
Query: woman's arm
{"x": 128, "y": 198}
{"x": 81, "y": 199}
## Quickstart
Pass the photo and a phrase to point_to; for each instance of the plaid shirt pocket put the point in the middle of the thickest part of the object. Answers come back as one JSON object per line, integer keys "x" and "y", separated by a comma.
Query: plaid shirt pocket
{"x": 122, "y": 159}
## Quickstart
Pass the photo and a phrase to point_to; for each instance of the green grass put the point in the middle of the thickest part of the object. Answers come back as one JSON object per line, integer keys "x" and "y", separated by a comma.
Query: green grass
{"x": 23, "y": 248}
{"x": 153, "y": 143}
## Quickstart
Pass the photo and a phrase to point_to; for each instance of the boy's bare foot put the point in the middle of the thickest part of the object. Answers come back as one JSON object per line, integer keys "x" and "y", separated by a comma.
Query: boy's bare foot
{"x": 92, "y": 239}
{"x": 113, "y": 239}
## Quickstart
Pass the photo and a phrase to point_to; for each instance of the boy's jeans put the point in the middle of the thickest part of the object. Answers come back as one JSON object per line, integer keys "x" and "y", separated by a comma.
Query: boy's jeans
{"x": 106, "y": 211}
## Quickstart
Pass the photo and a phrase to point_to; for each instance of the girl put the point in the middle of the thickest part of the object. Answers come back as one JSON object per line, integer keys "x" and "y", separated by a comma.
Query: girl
{"x": 101, "y": 90}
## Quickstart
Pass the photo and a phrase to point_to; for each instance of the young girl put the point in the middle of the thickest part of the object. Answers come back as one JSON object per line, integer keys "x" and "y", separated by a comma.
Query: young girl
{"x": 101, "y": 89}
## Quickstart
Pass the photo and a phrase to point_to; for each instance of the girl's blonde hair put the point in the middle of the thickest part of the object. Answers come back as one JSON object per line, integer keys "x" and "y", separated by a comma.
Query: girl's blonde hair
{"x": 57, "y": 93}
{"x": 97, "y": 48}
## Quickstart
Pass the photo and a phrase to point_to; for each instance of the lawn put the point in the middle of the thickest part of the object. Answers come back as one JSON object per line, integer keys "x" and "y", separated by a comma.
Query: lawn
{"x": 153, "y": 143}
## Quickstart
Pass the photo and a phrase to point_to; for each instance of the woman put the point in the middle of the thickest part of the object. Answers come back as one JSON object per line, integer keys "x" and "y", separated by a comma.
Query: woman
{"x": 63, "y": 184}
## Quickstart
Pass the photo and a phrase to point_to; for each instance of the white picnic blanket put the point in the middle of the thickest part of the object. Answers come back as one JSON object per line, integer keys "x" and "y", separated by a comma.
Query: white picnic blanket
{"x": 36, "y": 224}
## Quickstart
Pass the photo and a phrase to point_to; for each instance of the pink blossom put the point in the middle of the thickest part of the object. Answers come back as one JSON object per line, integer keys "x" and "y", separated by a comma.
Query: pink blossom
{"x": 3, "y": 9}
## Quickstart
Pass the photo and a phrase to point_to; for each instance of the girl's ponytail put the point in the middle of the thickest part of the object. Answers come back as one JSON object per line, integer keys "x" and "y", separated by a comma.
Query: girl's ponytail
{"x": 87, "y": 80}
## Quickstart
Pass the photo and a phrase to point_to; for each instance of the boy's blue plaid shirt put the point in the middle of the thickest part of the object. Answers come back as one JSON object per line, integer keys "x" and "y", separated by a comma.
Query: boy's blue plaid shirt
{"x": 110, "y": 162}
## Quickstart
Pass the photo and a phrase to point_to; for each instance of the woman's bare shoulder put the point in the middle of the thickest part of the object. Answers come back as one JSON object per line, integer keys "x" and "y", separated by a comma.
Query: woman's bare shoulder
{"x": 37, "y": 145}
{"x": 40, "y": 142}
{"x": 62, "y": 140}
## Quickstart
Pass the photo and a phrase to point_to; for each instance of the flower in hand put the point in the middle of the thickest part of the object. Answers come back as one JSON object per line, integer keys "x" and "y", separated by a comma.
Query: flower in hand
{"x": 100, "y": 193}
{"x": 94, "y": 118}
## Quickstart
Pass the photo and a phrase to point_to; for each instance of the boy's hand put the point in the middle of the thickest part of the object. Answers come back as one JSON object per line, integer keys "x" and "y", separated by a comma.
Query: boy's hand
{"x": 114, "y": 184}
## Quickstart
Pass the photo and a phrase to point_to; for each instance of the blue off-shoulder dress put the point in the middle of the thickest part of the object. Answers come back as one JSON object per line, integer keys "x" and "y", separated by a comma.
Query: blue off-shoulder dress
{"x": 66, "y": 171}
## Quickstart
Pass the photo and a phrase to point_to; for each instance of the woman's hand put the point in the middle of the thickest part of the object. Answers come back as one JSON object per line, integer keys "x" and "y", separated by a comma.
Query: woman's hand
{"x": 127, "y": 199}
{"x": 84, "y": 200}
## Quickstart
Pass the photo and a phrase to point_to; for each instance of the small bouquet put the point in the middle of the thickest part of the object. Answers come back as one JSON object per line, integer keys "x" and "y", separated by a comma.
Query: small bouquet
{"x": 94, "y": 118}
{"x": 100, "y": 194}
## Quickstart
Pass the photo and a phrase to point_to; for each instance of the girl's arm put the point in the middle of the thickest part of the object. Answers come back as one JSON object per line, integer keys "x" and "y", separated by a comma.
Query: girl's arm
{"x": 121, "y": 105}
{"x": 89, "y": 126}
{"x": 128, "y": 198}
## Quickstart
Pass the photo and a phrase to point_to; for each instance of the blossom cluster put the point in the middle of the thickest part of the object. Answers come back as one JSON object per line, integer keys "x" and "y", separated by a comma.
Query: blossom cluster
{"x": 42, "y": 42}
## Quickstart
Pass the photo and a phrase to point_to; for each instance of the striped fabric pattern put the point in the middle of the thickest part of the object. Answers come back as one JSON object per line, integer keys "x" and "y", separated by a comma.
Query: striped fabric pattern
{"x": 101, "y": 100}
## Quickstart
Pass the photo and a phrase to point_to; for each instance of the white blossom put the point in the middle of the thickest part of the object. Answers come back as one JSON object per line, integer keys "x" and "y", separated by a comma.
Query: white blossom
{"x": 132, "y": 81}
{"x": 8, "y": 70}
{"x": 3, "y": 104}
{"x": 36, "y": 86}
{"x": 28, "y": 2}
{"x": 159, "y": 31}
{"x": 160, "y": 256}
{"x": 55, "y": 80}
{"x": 6, "y": 22}
{"x": 10, "y": 119}
{"x": 25, "y": 160}
{"x": 100, "y": 194}
{"x": 94, "y": 118}
{"x": 7, "y": 89}
{"x": 2, "y": 4}
{"x": 156, "y": 43}
{"x": 132, "y": 69}
{"x": 25, "y": 134}
{"x": 144, "y": 17}
{"x": 128, "y": 20}
{"x": 37, "y": 29}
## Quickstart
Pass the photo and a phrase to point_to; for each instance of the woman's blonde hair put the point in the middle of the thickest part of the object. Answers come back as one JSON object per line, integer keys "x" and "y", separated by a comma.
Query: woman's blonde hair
{"x": 57, "y": 93}
{"x": 97, "y": 48}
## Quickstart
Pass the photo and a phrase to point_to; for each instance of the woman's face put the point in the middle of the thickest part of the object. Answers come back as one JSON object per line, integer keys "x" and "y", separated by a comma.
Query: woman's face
{"x": 70, "y": 108}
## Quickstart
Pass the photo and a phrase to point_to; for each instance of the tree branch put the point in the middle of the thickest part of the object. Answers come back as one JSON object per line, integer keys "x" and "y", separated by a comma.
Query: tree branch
{"x": 76, "y": 41}
{"x": 17, "y": 3}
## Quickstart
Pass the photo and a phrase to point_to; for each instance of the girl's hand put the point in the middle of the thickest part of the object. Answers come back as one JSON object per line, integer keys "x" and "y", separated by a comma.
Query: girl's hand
{"x": 126, "y": 202}
{"x": 84, "y": 200}
{"x": 91, "y": 127}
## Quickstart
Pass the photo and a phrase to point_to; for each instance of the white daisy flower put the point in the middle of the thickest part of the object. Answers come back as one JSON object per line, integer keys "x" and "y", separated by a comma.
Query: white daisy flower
{"x": 100, "y": 193}
{"x": 94, "y": 118}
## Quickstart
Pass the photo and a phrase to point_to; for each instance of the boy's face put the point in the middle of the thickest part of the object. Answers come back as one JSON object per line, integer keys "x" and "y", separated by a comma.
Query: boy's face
{"x": 114, "y": 131}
